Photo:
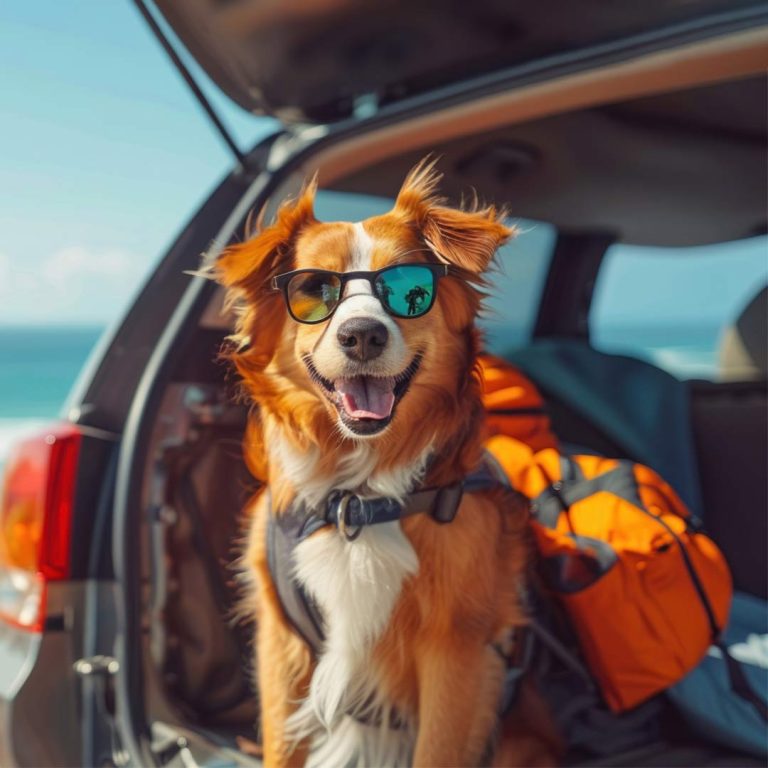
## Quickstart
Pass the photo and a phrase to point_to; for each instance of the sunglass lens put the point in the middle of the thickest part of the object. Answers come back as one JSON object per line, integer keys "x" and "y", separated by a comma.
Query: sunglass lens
{"x": 407, "y": 290}
{"x": 312, "y": 296}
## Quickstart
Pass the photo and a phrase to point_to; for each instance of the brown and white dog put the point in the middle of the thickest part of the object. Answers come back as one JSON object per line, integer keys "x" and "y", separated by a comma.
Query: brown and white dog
{"x": 360, "y": 388}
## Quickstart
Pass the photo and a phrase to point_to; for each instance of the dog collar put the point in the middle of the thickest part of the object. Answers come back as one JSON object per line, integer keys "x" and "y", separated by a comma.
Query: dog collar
{"x": 350, "y": 512}
{"x": 294, "y": 524}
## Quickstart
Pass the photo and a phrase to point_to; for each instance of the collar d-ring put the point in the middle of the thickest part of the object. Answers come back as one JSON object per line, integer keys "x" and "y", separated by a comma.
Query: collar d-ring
{"x": 342, "y": 521}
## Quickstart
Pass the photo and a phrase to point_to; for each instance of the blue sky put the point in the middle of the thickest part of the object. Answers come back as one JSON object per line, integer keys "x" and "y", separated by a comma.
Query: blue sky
{"x": 104, "y": 155}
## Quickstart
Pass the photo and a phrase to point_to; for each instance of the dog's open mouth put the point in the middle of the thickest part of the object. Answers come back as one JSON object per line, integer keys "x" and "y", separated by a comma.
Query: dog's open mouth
{"x": 366, "y": 404}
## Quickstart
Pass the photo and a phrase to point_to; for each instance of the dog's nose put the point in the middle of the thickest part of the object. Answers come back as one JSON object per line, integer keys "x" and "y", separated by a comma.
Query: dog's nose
{"x": 362, "y": 338}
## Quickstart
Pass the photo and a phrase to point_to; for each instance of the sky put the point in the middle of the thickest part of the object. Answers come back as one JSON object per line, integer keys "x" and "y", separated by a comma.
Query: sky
{"x": 707, "y": 285}
{"x": 104, "y": 154}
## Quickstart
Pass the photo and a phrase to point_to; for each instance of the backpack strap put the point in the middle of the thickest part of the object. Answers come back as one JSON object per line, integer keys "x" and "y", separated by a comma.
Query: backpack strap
{"x": 739, "y": 683}
{"x": 562, "y": 494}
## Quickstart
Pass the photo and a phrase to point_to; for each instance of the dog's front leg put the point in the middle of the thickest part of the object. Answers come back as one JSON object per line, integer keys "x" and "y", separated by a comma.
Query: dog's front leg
{"x": 284, "y": 671}
{"x": 283, "y": 660}
{"x": 459, "y": 689}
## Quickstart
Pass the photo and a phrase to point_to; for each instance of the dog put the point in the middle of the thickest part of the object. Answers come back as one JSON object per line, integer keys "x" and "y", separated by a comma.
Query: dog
{"x": 357, "y": 344}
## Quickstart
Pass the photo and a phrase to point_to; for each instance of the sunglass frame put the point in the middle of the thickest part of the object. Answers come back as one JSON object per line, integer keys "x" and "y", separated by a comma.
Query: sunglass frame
{"x": 281, "y": 282}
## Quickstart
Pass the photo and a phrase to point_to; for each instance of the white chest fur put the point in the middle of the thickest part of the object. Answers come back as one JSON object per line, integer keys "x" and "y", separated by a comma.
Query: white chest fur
{"x": 355, "y": 470}
{"x": 356, "y": 585}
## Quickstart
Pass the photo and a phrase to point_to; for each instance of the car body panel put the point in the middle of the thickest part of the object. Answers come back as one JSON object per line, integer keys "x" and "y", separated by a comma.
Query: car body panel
{"x": 40, "y": 697}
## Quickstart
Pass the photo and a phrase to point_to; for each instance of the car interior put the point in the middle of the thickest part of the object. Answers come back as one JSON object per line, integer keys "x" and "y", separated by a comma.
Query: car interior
{"x": 674, "y": 169}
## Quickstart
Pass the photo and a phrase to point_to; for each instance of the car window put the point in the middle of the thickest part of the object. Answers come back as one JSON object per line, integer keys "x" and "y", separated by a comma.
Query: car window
{"x": 516, "y": 282}
{"x": 347, "y": 206}
{"x": 516, "y": 279}
{"x": 671, "y": 306}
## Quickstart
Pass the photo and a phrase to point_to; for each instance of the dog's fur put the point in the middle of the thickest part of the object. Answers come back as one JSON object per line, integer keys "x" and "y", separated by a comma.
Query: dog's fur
{"x": 413, "y": 608}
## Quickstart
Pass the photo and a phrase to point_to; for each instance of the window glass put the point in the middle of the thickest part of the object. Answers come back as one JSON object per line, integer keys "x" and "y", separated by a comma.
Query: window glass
{"x": 347, "y": 206}
{"x": 516, "y": 279}
{"x": 671, "y": 306}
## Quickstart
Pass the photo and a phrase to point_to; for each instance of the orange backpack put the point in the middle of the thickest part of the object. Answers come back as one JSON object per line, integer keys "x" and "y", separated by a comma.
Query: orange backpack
{"x": 646, "y": 591}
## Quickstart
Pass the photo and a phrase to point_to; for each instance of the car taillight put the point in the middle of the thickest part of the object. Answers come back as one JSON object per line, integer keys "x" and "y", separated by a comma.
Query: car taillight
{"x": 35, "y": 522}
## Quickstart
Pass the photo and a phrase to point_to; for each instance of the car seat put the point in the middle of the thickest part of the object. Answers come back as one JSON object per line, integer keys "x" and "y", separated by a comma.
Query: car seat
{"x": 730, "y": 426}
{"x": 616, "y": 405}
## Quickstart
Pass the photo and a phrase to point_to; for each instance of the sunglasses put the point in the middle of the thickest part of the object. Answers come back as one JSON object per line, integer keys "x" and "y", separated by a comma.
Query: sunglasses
{"x": 404, "y": 290}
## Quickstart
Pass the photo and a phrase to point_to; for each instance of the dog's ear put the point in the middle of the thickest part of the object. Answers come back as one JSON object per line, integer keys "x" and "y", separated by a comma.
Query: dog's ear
{"x": 246, "y": 270}
{"x": 248, "y": 267}
{"x": 466, "y": 239}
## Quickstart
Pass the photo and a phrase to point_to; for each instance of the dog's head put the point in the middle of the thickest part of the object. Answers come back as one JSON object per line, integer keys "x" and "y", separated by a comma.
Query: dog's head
{"x": 365, "y": 332}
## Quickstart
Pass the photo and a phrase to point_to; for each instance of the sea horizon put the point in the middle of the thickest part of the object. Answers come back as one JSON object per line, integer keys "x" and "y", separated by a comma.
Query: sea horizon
{"x": 39, "y": 364}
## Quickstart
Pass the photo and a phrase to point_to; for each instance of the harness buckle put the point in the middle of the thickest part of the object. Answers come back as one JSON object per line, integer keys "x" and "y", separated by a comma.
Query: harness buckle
{"x": 447, "y": 503}
{"x": 342, "y": 517}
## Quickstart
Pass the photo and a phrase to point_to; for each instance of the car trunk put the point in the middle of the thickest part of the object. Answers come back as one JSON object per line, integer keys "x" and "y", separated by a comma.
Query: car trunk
{"x": 199, "y": 682}
{"x": 190, "y": 671}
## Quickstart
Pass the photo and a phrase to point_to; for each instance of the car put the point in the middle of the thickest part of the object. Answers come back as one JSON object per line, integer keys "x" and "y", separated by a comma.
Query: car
{"x": 602, "y": 128}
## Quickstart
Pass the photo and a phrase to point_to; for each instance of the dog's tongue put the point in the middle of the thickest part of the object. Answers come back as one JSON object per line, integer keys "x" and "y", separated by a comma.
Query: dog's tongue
{"x": 367, "y": 397}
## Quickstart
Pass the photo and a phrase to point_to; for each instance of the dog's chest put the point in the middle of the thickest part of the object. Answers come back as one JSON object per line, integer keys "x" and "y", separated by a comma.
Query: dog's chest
{"x": 356, "y": 585}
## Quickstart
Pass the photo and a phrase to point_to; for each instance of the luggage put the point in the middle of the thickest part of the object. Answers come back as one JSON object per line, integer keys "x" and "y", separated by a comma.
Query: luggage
{"x": 646, "y": 590}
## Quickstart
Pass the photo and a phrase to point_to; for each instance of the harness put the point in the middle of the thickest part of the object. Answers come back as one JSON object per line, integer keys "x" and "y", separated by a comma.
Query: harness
{"x": 351, "y": 513}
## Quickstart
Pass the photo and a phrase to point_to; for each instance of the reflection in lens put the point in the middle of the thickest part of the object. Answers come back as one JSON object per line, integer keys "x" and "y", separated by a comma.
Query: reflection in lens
{"x": 406, "y": 290}
{"x": 313, "y": 295}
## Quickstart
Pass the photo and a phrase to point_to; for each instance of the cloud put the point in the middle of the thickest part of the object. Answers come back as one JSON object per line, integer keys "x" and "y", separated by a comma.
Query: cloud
{"x": 5, "y": 271}
{"x": 77, "y": 262}
{"x": 74, "y": 284}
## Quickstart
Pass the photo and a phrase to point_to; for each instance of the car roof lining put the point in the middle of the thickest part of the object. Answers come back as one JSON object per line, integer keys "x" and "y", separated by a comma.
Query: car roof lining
{"x": 374, "y": 161}
{"x": 430, "y": 122}
{"x": 649, "y": 170}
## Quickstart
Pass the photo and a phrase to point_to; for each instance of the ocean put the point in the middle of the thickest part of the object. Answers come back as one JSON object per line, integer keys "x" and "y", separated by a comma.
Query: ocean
{"x": 38, "y": 366}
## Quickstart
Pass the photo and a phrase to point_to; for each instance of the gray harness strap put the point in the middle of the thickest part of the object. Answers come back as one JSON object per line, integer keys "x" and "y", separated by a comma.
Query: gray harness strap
{"x": 350, "y": 514}
{"x": 299, "y": 609}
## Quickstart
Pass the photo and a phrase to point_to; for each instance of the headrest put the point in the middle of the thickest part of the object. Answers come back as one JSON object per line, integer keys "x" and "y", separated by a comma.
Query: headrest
{"x": 744, "y": 345}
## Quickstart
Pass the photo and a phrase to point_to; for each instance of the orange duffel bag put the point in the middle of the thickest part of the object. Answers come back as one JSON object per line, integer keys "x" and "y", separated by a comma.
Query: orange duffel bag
{"x": 513, "y": 405}
{"x": 646, "y": 591}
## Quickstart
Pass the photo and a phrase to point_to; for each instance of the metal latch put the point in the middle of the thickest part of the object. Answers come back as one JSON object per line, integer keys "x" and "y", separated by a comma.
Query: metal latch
{"x": 97, "y": 665}
{"x": 97, "y": 674}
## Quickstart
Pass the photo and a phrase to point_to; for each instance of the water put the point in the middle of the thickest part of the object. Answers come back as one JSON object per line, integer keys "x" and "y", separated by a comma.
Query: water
{"x": 685, "y": 351}
{"x": 38, "y": 367}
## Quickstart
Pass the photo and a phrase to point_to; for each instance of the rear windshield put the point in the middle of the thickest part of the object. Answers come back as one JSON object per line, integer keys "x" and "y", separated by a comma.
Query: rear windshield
{"x": 672, "y": 306}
